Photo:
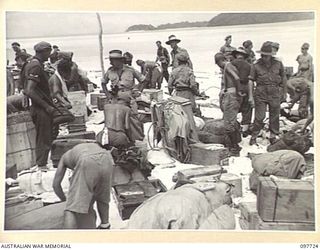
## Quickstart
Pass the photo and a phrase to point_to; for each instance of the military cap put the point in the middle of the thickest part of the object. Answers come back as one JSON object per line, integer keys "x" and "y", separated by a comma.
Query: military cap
{"x": 15, "y": 44}
{"x": 247, "y": 43}
{"x": 305, "y": 46}
{"x": 42, "y": 46}
{"x": 227, "y": 37}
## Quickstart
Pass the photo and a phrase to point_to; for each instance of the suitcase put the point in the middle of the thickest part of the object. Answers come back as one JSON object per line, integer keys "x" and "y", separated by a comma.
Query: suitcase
{"x": 285, "y": 200}
{"x": 131, "y": 195}
{"x": 208, "y": 154}
{"x": 60, "y": 146}
{"x": 79, "y": 135}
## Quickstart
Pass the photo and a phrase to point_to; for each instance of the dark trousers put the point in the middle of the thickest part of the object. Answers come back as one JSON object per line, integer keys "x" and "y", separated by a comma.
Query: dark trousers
{"x": 165, "y": 72}
{"x": 245, "y": 110}
{"x": 266, "y": 96}
{"x": 44, "y": 131}
{"x": 231, "y": 107}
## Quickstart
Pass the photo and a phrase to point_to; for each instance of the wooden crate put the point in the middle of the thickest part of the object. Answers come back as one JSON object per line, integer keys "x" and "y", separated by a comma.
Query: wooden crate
{"x": 200, "y": 173}
{"x": 153, "y": 94}
{"x": 21, "y": 141}
{"x": 78, "y": 102}
{"x": 207, "y": 154}
{"x": 249, "y": 217}
{"x": 284, "y": 226}
{"x": 12, "y": 211}
{"x": 130, "y": 196}
{"x": 285, "y": 200}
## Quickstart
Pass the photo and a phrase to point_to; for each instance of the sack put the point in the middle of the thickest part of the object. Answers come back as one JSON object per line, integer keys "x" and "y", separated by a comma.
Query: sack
{"x": 61, "y": 114}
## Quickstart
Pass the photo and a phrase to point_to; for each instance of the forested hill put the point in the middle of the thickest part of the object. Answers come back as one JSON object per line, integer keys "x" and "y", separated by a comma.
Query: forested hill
{"x": 225, "y": 19}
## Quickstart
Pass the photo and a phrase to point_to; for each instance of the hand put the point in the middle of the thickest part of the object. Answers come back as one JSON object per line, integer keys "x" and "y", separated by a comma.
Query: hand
{"x": 251, "y": 102}
{"x": 50, "y": 110}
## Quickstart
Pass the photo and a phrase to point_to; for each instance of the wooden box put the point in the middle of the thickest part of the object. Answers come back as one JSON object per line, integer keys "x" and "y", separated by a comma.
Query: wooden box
{"x": 153, "y": 94}
{"x": 129, "y": 196}
{"x": 101, "y": 101}
{"x": 60, "y": 146}
{"x": 79, "y": 135}
{"x": 78, "y": 102}
{"x": 285, "y": 200}
{"x": 94, "y": 98}
{"x": 249, "y": 217}
{"x": 21, "y": 141}
{"x": 200, "y": 173}
{"x": 284, "y": 226}
{"x": 207, "y": 154}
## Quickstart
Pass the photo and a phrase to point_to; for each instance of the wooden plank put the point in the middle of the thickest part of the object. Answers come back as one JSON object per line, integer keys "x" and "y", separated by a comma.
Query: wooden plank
{"x": 22, "y": 208}
{"x": 207, "y": 154}
{"x": 44, "y": 218}
{"x": 285, "y": 200}
{"x": 79, "y": 135}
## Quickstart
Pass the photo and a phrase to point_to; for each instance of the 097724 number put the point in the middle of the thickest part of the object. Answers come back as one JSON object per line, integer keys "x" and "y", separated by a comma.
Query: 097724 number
{"x": 309, "y": 246}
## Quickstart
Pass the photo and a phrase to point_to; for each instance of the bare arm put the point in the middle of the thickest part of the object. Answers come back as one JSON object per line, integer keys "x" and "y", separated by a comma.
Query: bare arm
{"x": 61, "y": 170}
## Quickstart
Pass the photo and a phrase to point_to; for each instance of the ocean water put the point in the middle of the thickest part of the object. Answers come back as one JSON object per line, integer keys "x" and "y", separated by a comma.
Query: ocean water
{"x": 201, "y": 43}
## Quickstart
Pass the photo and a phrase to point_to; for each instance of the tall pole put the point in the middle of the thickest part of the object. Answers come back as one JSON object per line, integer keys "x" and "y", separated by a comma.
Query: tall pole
{"x": 100, "y": 44}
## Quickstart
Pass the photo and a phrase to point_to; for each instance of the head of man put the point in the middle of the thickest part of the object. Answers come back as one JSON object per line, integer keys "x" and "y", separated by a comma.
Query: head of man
{"x": 140, "y": 62}
{"x": 21, "y": 59}
{"x": 116, "y": 58}
{"x": 65, "y": 55}
{"x": 64, "y": 68}
{"x": 43, "y": 50}
{"x": 55, "y": 48}
{"x": 247, "y": 45}
{"x": 240, "y": 53}
{"x": 16, "y": 47}
{"x": 305, "y": 48}
{"x": 128, "y": 58}
{"x": 228, "y": 40}
{"x": 266, "y": 52}
{"x": 220, "y": 60}
{"x": 182, "y": 58}
{"x": 173, "y": 41}
{"x": 275, "y": 47}
{"x": 158, "y": 43}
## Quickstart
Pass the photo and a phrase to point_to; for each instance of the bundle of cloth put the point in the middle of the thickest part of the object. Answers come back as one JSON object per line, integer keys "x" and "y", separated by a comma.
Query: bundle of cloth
{"x": 202, "y": 205}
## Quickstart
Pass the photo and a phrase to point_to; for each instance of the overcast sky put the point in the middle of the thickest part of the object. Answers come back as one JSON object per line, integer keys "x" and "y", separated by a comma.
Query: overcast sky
{"x": 42, "y": 24}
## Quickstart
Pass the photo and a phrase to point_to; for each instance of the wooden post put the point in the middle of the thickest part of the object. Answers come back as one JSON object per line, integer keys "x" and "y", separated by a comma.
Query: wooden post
{"x": 100, "y": 43}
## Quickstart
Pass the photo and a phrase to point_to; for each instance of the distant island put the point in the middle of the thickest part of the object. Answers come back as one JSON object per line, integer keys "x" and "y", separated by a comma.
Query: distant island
{"x": 227, "y": 19}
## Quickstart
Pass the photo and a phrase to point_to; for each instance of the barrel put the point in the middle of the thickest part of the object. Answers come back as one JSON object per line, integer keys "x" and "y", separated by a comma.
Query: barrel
{"x": 78, "y": 102}
{"x": 21, "y": 140}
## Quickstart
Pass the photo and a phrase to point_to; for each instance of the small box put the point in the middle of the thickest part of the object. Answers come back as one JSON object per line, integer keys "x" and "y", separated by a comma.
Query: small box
{"x": 94, "y": 98}
{"x": 78, "y": 103}
{"x": 130, "y": 196}
{"x": 285, "y": 200}
{"x": 249, "y": 217}
{"x": 208, "y": 154}
{"x": 101, "y": 101}
{"x": 154, "y": 94}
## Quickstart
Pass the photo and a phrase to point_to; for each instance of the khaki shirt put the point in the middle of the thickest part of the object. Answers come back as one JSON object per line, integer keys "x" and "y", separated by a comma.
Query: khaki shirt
{"x": 182, "y": 77}
{"x": 175, "y": 63}
{"x": 264, "y": 75}
{"x": 124, "y": 77}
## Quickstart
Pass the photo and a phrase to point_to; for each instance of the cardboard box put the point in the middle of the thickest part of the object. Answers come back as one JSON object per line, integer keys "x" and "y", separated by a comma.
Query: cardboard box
{"x": 285, "y": 200}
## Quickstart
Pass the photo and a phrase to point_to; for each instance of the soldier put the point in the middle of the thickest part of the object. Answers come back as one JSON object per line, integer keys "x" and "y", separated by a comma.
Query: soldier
{"x": 164, "y": 58}
{"x": 247, "y": 45}
{"x": 37, "y": 89}
{"x": 128, "y": 58}
{"x": 182, "y": 80}
{"x": 269, "y": 75}
{"x": 173, "y": 42}
{"x": 227, "y": 49}
{"x": 231, "y": 100}
{"x": 304, "y": 60}
{"x": 152, "y": 72}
